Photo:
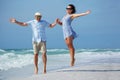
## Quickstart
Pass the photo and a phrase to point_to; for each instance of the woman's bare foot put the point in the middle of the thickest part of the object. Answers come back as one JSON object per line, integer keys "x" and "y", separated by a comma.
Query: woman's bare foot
{"x": 73, "y": 62}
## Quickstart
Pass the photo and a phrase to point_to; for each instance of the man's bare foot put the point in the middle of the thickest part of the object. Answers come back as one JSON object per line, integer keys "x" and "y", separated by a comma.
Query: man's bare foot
{"x": 36, "y": 70}
{"x": 44, "y": 72}
{"x": 72, "y": 62}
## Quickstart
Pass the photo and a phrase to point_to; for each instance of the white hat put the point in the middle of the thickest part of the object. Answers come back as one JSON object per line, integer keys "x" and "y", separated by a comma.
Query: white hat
{"x": 38, "y": 14}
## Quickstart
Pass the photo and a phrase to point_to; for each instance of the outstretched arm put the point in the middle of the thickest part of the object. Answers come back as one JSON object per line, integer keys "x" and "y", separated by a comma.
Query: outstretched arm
{"x": 13, "y": 20}
{"x": 81, "y": 14}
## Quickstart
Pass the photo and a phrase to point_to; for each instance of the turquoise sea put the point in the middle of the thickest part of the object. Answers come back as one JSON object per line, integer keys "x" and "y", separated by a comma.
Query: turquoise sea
{"x": 13, "y": 62}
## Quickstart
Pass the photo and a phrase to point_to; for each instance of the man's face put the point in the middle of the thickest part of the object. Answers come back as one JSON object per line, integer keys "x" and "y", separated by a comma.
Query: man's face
{"x": 38, "y": 18}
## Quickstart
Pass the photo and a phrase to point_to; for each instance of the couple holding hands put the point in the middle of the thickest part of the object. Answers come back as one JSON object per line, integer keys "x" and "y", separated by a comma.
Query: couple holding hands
{"x": 39, "y": 36}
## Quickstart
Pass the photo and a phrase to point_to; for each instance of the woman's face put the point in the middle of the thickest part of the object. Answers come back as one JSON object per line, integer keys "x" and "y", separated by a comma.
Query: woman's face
{"x": 69, "y": 9}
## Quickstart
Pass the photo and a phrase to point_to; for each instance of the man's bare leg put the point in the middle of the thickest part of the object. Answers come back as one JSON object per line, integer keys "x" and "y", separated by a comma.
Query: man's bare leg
{"x": 36, "y": 63}
{"x": 44, "y": 57}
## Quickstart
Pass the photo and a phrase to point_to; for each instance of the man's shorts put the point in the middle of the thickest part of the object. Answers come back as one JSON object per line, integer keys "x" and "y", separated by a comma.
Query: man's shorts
{"x": 41, "y": 46}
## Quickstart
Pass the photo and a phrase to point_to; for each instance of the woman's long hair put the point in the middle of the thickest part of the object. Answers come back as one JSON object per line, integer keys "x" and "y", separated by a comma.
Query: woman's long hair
{"x": 73, "y": 8}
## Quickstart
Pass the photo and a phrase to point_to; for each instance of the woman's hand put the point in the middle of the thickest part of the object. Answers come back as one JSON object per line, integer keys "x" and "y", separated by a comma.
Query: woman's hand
{"x": 58, "y": 21}
{"x": 88, "y": 12}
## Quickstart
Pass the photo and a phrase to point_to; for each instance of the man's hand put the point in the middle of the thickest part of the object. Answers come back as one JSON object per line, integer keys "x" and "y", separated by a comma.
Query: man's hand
{"x": 13, "y": 20}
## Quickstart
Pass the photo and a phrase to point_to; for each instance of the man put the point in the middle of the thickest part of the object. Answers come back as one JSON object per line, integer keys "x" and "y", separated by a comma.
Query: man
{"x": 39, "y": 37}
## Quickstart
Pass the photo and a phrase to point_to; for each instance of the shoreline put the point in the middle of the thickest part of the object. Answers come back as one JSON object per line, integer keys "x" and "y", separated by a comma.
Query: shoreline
{"x": 83, "y": 72}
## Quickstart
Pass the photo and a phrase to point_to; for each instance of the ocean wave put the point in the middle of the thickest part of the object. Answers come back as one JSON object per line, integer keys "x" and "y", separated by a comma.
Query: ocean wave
{"x": 12, "y": 60}
{"x": 20, "y": 58}
{"x": 29, "y": 50}
{"x": 89, "y": 54}
{"x": 1, "y": 50}
{"x": 98, "y": 50}
{"x": 58, "y": 50}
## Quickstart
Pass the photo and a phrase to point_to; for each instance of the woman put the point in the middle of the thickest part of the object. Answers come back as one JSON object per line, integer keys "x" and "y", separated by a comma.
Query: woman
{"x": 69, "y": 33}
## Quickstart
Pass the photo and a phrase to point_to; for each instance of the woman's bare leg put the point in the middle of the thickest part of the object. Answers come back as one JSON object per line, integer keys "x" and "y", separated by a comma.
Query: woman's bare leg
{"x": 69, "y": 42}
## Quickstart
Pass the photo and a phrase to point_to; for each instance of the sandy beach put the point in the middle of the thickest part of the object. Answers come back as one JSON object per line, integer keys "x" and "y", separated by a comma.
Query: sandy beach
{"x": 86, "y": 72}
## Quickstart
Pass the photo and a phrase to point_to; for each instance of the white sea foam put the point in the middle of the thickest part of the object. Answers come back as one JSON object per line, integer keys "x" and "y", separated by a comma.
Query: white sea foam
{"x": 56, "y": 50}
{"x": 1, "y": 50}
{"x": 31, "y": 50}
{"x": 20, "y": 58}
{"x": 12, "y": 60}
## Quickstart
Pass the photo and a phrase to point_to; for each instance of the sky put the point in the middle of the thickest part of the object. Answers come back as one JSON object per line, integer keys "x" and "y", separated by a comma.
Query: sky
{"x": 100, "y": 29}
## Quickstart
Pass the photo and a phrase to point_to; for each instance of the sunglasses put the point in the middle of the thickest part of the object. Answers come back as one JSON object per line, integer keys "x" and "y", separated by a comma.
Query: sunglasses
{"x": 68, "y": 8}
